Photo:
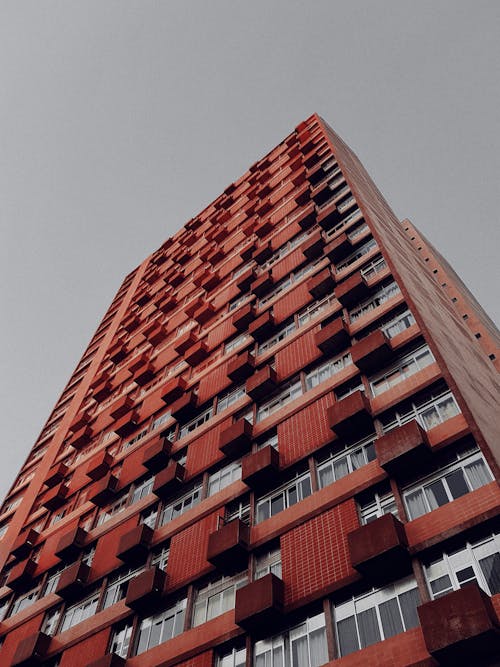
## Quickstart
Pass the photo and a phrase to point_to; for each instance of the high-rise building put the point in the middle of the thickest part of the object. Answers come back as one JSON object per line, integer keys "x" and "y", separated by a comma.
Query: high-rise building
{"x": 279, "y": 448}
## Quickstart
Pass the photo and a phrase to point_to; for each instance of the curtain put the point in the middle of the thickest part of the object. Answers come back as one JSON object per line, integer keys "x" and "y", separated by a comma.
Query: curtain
{"x": 369, "y": 630}
{"x": 457, "y": 484}
{"x": 318, "y": 647}
{"x": 391, "y": 618}
{"x": 348, "y": 637}
{"x": 341, "y": 468}
{"x": 416, "y": 504}
{"x": 436, "y": 494}
{"x": 491, "y": 570}
{"x": 477, "y": 474}
{"x": 300, "y": 655}
{"x": 409, "y": 602}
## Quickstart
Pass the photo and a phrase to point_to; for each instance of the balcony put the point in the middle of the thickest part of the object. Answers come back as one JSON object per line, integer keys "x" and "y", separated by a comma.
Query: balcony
{"x": 237, "y": 439}
{"x": 339, "y": 248}
{"x": 185, "y": 407}
{"x": 403, "y": 448}
{"x": 210, "y": 281}
{"x": 103, "y": 492}
{"x": 71, "y": 544}
{"x": 166, "y": 305}
{"x": 260, "y": 469}
{"x": 144, "y": 374}
{"x": 32, "y": 650}
{"x": 73, "y": 580}
{"x": 56, "y": 475}
{"x": 56, "y": 497}
{"x": 353, "y": 290}
{"x": 146, "y": 590}
{"x": 243, "y": 317}
{"x": 351, "y": 416}
{"x": 21, "y": 575}
{"x": 379, "y": 550}
{"x": 133, "y": 546}
{"x": 102, "y": 390}
{"x": 204, "y": 313}
{"x": 174, "y": 389}
{"x": 244, "y": 280}
{"x": 196, "y": 354}
{"x": 81, "y": 438}
{"x": 333, "y": 337}
{"x": 184, "y": 342}
{"x": 169, "y": 480}
{"x": 264, "y": 228}
{"x": 262, "y": 327}
{"x": 262, "y": 383}
{"x": 118, "y": 353}
{"x": 321, "y": 284}
{"x": 306, "y": 217}
{"x": 127, "y": 424}
{"x": 372, "y": 353}
{"x": 24, "y": 543}
{"x": 122, "y": 406}
{"x": 263, "y": 253}
{"x": 99, "y": 465}
{"x": 328, "y": 216}
{"x": 262, "y": 284}
{"x": 313, "y": 247}
{"x": 108, "y": 660}
{"x": 259, "y": 605}
{"x": 461, "y": 628}
{"x": 228, "y": 546}
{"x": 156, "y": 456}
{"x": 241, "y": 367}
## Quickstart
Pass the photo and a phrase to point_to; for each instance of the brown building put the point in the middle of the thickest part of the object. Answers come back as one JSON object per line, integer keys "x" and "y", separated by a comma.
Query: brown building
{"x": 279, "y": 448}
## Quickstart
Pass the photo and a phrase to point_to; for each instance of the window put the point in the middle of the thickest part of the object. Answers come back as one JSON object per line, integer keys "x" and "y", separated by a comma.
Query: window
{"x": 286, "y": 394}
{"x": 304, "y": 645}
{"x": 78, "y": 612}
{"x": 25, "y": 600}
{"x": 326, "y": 370}
{"x": 223, "y": 477}
{"x": 229, "y": 398}
{"x": 379, "y": 614}
{"x": 284, "y": 284}
{"x": 380, "y": 297}
{"x": 4, "y": 605}
{"x": 376, "y": 504}
{"x": 283, "y": 333}
{"x": 161, "y": 627}
{"x": 120, "y": 640}
{"x": 51, "y": 621}
{"x": 217, "y": 598}
{"x": 238, "y": 509}
{"x": 160, "y": 558}
{"x": 354, "y": 215}
{"x": 339, "y": 464}
{"x": 239, "y": 301}
{"x": 233, "y": 657}
{"x": 455, "y": 474}
{"x": 235, "y": 343}
{"x": 286, "y": 496}
{"x": 116, "y": 588}
{"x": 3, "y": 529}
{"x": 372, "y": 268}
{"x": 402, "y": 369}
{"x": 314, "y": 309}
{"x": 142, "y": 490}
{"x": 478, "y": 561}
{"x": 357, "y": 254}
{"x": 136, "y": 438}
{"x": 268, "y": 562}
{"x": 195, "y": 423}
{"x": 398, "y": 324}
{"x": 181, "y": 505}
{"x": 429, "y": 411}
{"x": 52, "y": 581}
{"x": 113, "y": 509}
{"x": 149, "y": 516}
{"x": 284, "y": 250}
{"x": 358, "y": 231}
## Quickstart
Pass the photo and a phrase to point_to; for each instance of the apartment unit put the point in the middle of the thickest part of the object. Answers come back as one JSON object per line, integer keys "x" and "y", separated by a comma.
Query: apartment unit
{"x": 278, "y": 450}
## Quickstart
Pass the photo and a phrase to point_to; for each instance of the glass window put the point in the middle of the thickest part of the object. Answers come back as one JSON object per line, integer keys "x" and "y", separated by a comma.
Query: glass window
{"x": 268, "y": 562}
{"x": 338, "y": 464}
{"x": 217, "y": 598}
{"x": 314, "y": 309}
{"x": 25, "y": 600}
{"x": 223, "y": 477}
{"x": 377, "y": 299}
{"x": 233, "y": 657}
{"x": 161, "y": 627}
{"x": 405, "y": 367}
{"x": 376, "y": 615}
{"x": 238, "y": 509}
{"x": 286, "y": 394}
{"x": 160, "y": 558}
{"x": 195, "y": 423}
{"x": 429, "y": 409}
{"x": 116, "y": 588}
{"x": 286, "y": 496}
{"x": 120, "y": 640}
{"x": 181, "y": 505}
{"x": 235, "y": 343}
{"x": 326, "y": 370}
{"x": 142, "y": 490}
{"x": 375, "y": 504}
{"x": 283, "y": 333}
{"x": 229, "y": 398}
{"x": 304, "y": 645}
{"x": 80, "y": 611}
{"x": 398, "y": 324}
{"x": 357, "y": 254}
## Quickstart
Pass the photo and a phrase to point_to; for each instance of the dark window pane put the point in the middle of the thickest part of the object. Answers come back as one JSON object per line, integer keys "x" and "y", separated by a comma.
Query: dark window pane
{"x": 391, "y": 618}
{"x": 436, "y": 494}
{"x": 348, "y": 637}
{"x": 491, "y": 570}
{"x": 368, "y": 627}
{"x": 409, "y": 602}
{"x": 457, "y": 484}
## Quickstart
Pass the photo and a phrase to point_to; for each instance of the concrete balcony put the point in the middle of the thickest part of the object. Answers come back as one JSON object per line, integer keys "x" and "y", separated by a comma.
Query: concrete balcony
{"x": 307, "y": 216}
{"x": 243, "y": 317}
{"x": 339, "y": 248}
{"x": 104, "y": 490}
{"x": 259, "y": 605}
{"x": 196, "y": 354}
{"x": 81, "y": 438}
{"x": 353, "y": 290}
{"x": 174, "y": 389}
{"x": 204, "y": 313}
{"x": 185, "y": 407}
{"x": 236, "y": 440}
{"x": 157, "y": 456}
{"x": 312, "y": 248}
{"x": 169, "y": 480}
{"x": 127, "y": 424}
{"x": 262, "y": 284}
{"x": 461, "y": 628}
{"x": 351, "y": 416}
{"x": 321, "y": 284}
{"x": 146, "y": 590}
{"x": 184, "y": 342}
{"x": 228, "y": 546}
{"x": 262, "y": 383}
{"x": 56, "y": 475}
{"x": 403, "y": 448}
{"x": 241, "y": 367}
{"x": 263, "y": 253}
{"x": 144, "y": 374}
{"x": 373, "y": 352}
{"x": 32, "y": 650}
{"x": 134, "y": 545}
{"x": 99, "y": 465}
{"x": 56, "y": 497}
{"x": 24, "y": 543}
{"x": 70, "y": 544}
{"x": 260, "y": 469}
{"x": 21, "y": 575}
{"x": 262, "y": 327}
{"x": 73, "y": 581}
{"x": 333, "y": 337}
{"x": 245, "y": 280}
{"x": 379, "y": 550}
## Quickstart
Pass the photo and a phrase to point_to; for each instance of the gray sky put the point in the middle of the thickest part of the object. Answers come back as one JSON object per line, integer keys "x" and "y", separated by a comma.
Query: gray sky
{"x": 121, "y": 120}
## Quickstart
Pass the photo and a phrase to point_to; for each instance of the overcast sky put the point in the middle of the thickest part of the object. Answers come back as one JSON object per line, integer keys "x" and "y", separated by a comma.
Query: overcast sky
{"x": 121, "y": 120}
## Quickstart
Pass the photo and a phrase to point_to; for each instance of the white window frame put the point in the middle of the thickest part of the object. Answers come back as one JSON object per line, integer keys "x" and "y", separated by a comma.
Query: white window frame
{"x": 196, "y": 422}
{"x": 180, "y": 505}
{"x": 402, "y": 369}
{"x": 381, "y": 296}
{"x": 400, "y": 323}
{"x": 364, "y": 249}
{"x": 295, "y": 487}
{"x": 431, "y": 405}
{"x": 277, "y": 651}
{"x": 176, "y": 612}
{"x": 363, "y": 449}
{"x": 288, "y": 393}
{"x": 224, "y": 477}
{"x": 379, "y": 504}
{"x": 216, "y": 598}
{"x": 327, "y": 369}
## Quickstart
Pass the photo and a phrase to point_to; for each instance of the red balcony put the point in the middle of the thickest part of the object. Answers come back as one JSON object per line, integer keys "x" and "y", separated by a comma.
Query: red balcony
{"x": 108, "y": 660}
{"x": 184, "y": 342}
{"x": 156, "y": 456}
{"x": 333, "y": 337}
{"x": 353, "y": 290}
{"x": 71, "y": 544}
{"x": 104, "y": 490}
{"x": 118, "y": 353}
{"x": 102, "y": 391}
{"x": 196, "y": 354}
{"x": 259, "y": 605}
{"x": 99, "y": 465}
{"x": 210, "y": 281}
{"x": 244, "y": 280}
{"x": 24, "y": 543}
{"x": 81, "y": 438}
{"x": 174, "y": 389}
{"x": 144, "y": 374}
{"x": 264, "y": 228}
{"x": 73, "y": 580}
{"x": 56, "y": 497}
{"x": 81, "y": 420}
{"x": 262, "y": 284}
{"x": 243, "y": 317}
{"x": 321, "y": 284}
{"x": 215, "y": 256}
{"x": 263, "y": 253}
{"x": 131, "y": 323}
{"x": 328, "y": 216}
{"x": 169, "y": 480}
{"x": 134, "y": 545}
{"x": 373, "y": 352}
{"x": 32, "y": 650}
{"x": 313, "y": 247}
{"x": 260, "y": 469}
{"x": 461, "y": 628}
{"x": 204, "y": 313}
{"x": 307, "y": 216}
{"x": 262, "y": 383}
{"x": 241, "y": 367}
{"x": 21, "y": 575}
{"x": 166, "y": 305}
{"x": 146, "y": 590}
{"x": 56, "y": 475}
{"x": 351, "y": 416}
{"x": 185, "y": 407}
{"x": 122, "y": 406}
{"x": 237, "y": 439}
{"x": 262, "y": 327}
{"x": 339, "y": 248}
{"x": 402, "y": 449}
{"x": 379, "y": 550}
{"x": 127, "y": 424}
{"x": 228, "y": 546}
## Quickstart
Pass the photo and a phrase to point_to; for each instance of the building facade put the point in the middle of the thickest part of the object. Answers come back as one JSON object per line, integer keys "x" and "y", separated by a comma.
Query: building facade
{"x": 279, "y": 448}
